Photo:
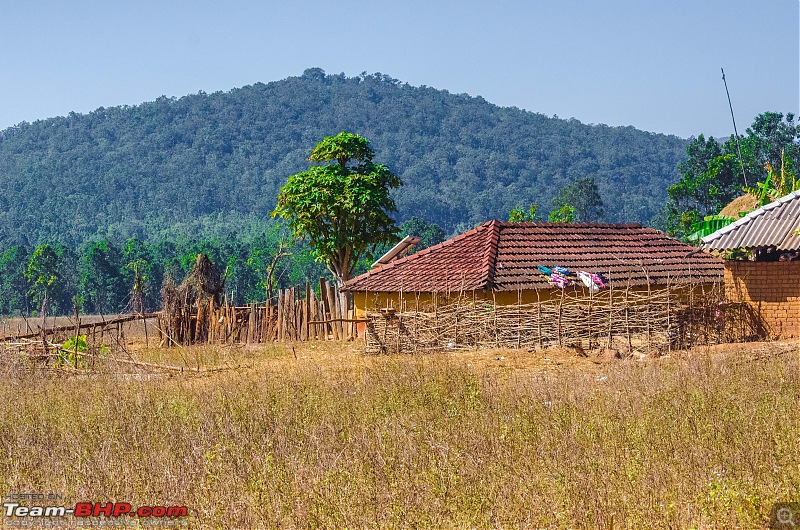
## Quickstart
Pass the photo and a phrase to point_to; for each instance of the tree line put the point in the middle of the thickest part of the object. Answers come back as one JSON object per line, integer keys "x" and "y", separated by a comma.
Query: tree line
{"x": 100, "y": 276}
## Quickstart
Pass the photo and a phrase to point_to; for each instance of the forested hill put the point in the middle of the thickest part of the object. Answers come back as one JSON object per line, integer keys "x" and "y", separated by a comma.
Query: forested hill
{"x": 207, "y": 163}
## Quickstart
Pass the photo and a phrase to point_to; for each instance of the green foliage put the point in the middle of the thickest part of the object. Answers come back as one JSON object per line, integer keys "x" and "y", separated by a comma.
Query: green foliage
{"x": 107, "y": 274}
{"x": 583, "y": 197}
{"x": 710, "y": 178}
{"x": 204, "y": 165}
{"x": 713, "y": 175}
{"x": 565, "y": 214}
{"x": 341, "y": 210}
{"x": 14, "y": 296}
{"x": 709, "y": 225}
{"x": 139, "y": 272}
{"x": 429, "y": 233}
{"x": 776, "y": 184}
{"x": 101, "y": 285}
{"x": 343, "y": 147}
{"x": 69, "y": 354}
{"x": 519, "y": 215}
{"x": 42, "y": 274}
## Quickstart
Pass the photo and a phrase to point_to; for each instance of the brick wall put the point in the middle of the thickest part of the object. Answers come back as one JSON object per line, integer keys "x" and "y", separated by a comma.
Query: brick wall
{"x": 772, "y": 289}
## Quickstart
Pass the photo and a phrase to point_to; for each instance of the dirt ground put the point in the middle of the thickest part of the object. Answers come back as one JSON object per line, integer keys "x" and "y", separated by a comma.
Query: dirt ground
{"x": 144, "y": 344}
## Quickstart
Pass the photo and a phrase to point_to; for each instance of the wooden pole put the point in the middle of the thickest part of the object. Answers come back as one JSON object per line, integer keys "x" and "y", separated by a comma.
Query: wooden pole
{"x": 519, "y": 318}
{"x": 332, "y": 310}
{"x": 307, "y": 310}
{"x": 496, "y": 328}
{"x": 77, "y": 334}
{"x": 627, "y": 319}
{"x": 539, "y": 318}
{"x": 279, "y": 322}
{"x": 610, "y": 340}
{"x": 560, "y": 313}
{"x": 325, "y": 306}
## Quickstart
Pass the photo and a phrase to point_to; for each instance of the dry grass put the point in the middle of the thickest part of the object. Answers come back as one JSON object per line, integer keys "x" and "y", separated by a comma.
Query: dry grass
{"x": 324, "y": 437}
{"x": 743, "y": 203}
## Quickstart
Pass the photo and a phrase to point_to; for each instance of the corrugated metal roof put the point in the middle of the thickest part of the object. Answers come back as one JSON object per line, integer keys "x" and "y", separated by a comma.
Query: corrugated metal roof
{"x": 772, "y": 225}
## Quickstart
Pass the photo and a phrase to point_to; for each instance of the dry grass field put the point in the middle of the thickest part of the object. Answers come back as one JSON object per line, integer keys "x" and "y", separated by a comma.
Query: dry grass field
{"x": 321, "y": 436}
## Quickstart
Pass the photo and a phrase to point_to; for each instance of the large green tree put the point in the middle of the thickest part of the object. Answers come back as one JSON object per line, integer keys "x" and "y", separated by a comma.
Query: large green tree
{"x": 583, "y": 197}
{"x": 43, "y": 276}
{"x": 710, "y": 178}
{"x": 342, "y": 208}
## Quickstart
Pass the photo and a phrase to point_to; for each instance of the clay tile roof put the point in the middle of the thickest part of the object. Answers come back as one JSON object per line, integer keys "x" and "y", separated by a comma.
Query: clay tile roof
{"x": 504, "y": 257}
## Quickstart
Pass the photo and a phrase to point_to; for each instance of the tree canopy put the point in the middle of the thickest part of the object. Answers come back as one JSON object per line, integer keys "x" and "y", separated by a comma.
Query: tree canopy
{"x": 583, "y": 199}
{"x": 712, "y": 175}
{"x": 429, "y": 233}
{"x": 343, "y": 209}
{"x": 203, "y": 165}
{"x": 518, "y": 214}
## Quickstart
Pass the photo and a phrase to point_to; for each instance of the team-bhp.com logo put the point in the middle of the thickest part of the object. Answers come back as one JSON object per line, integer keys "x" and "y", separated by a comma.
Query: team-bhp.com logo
{"x": 94, "y": 509}
{"x": 19, "y": 514}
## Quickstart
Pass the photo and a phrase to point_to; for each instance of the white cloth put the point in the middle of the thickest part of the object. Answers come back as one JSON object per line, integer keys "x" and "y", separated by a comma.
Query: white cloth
{"x": 586, "y": 279}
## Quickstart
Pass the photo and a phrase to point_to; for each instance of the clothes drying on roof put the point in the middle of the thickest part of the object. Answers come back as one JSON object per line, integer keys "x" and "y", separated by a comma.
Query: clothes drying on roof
{"x": 598, "y": 280}
{"x": 559, "y": 280}
{"x": 586, "y": 279}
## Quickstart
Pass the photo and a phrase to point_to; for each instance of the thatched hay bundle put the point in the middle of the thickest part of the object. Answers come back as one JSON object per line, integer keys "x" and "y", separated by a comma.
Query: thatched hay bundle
{"x": 186, "y": 307}
{"x": 169, "y": 296}
{"x": 740, "y": 205}
{"x": 202, "y": 284}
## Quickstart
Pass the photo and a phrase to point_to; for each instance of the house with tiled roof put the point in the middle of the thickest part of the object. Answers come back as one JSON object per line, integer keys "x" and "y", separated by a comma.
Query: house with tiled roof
{"x": 510, "y": 263}
{"x": 764, "y": 266}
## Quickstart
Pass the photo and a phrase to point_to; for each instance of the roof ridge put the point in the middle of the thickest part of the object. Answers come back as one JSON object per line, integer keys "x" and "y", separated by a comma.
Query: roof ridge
{"x": 549, "y": 224}
{"x": 490, "y": 257}
{"x": 423, "y": 252}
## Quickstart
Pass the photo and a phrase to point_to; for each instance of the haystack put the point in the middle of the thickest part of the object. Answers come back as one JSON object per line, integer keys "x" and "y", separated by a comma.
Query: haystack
{"x": 186, "y": 307}
{"x": 740, "y": 206}
{"x": 202, "y": 284}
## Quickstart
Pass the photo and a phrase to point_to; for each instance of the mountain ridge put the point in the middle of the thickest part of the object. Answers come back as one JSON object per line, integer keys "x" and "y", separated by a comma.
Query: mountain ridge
{"x": 176, "y": 164}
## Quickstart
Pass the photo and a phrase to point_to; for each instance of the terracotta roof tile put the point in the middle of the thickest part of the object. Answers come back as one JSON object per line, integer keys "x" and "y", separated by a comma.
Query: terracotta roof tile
{"x": 504, "y": 257}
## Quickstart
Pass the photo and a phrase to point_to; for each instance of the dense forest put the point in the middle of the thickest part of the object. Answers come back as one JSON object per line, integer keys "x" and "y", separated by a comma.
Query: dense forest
{"x": 93, "y": 205}
{"x": 210, "y": 165}
{"x": 102, "y": 276}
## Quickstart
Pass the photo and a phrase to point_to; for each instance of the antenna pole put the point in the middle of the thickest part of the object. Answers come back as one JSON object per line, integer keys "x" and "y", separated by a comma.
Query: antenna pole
{"x": 738, "y": 147}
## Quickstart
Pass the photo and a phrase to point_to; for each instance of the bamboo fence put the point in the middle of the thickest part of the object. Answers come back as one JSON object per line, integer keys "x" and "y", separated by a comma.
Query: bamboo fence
{"x": 630, "y": 320}
{"x": 297, "y": 315}
{"x": 95, "y": 338}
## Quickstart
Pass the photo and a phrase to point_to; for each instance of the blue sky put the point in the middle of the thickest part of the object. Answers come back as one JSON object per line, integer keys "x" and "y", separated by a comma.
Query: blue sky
{"x": 653, "y": 64}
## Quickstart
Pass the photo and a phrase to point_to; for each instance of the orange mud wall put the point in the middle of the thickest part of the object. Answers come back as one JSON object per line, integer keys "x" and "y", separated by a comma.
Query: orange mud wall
{"x": 773, "y": 291}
